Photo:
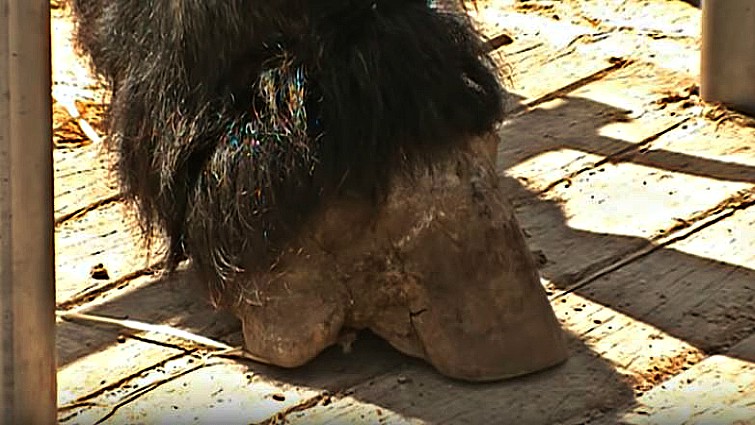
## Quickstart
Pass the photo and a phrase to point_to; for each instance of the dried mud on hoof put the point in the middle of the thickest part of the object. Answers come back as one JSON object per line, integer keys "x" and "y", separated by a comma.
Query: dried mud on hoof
{"x": 441, "y": 271}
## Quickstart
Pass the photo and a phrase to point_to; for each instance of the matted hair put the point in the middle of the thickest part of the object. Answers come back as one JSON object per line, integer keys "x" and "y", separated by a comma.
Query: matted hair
{"x": 233, "y": 120}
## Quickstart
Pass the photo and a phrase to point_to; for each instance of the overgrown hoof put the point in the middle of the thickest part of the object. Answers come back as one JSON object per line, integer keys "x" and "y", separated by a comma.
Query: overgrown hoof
{"x": 290, "y": 319}
{"x": 441, "y": 271}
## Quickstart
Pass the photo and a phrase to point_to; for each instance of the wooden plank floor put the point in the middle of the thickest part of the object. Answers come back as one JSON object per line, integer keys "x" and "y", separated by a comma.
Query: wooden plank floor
{"x": 639, "y": 198}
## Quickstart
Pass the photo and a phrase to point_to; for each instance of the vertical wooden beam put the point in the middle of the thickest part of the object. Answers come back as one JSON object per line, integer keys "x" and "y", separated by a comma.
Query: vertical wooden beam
{"x": 27, "y": 288}
{"x": 728, "y": 53}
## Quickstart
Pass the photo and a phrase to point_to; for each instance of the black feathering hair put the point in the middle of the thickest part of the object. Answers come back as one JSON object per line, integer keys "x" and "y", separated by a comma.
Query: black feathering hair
{"x": 233, "y": 121}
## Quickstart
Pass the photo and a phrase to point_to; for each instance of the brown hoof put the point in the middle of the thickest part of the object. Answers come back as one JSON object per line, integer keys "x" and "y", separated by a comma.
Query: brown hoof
{"x": 291, "y": 317}
{"x": 442, "y": 272}
{"x": 473, "y": 293}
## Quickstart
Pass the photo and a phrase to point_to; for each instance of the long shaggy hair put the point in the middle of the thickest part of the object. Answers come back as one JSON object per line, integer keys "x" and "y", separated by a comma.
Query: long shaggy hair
{"x": 234, "y": 120}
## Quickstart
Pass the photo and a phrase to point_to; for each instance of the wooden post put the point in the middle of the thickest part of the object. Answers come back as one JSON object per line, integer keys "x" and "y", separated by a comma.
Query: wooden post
{"x": 728, "y": 53}
{"x": 28, "y": 390}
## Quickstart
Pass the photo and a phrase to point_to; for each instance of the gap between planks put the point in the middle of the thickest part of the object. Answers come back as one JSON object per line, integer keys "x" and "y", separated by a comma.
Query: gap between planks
{"x": 683, "y": 230}
{"x": 609, "y": 67}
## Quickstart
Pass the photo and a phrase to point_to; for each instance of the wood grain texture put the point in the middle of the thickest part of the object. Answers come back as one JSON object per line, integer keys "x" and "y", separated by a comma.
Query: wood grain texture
{"x": 604, "y": 163}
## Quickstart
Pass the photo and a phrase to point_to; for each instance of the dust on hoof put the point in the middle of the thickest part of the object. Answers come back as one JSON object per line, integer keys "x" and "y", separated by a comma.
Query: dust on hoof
{"x": 441, "y": 271}
{"x": 289, "y": 319}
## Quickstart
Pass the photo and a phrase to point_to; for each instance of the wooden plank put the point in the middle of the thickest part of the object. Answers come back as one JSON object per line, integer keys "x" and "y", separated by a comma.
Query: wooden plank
{"x": 615, "y": 206}
{"x": 637, "y": 201}
{"x": 94, "y": 359}
{"x": 81, "y": 169}
{"x": 664, "y": 33}
{"x": 634, "y": 331}
{"x": 215, "y": 391}
{"x": 70, "y": 72}
{"x": 368, "y": 413}
{"x": 581, "y": 128}
{"x": 91, "y": 382}
{"x": 566, "y": 253}
{"x": 674, "y": 18}
{"x": 717, "y": 391}
{"x": 243, "y": 392}
{"x": 105, "y": 236}
{"x": 630, "y": 340}
{"x": 703, "y": 148}
{"x": 544, "y": 55}
{"x": 586, "y": 180}
{"x": 541, "y": 60}
{"x": 745, "y": 350}
{"x": 419, "y": 394}
{"x": 27, "y": 361}
{"x": 658, "y": 16}
{"x": 580, "y": 36}
{"x": 700, "y": 289}
{"x": 82, "y": 178}
{"x": 683, "y": 173}
{"x": 667, "y": 51}
{"x": 611, "y": 355}
{"x": 177, "y": 300}
{"x": 239, "y": 392}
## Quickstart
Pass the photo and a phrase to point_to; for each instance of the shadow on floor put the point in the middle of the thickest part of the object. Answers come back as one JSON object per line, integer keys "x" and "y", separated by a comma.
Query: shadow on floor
{"x": 702, "y": 301}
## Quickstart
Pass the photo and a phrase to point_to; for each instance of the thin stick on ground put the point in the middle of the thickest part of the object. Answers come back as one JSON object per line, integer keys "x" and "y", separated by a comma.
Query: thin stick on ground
{"x": 147, "y": 327}
{"x": 224, "y": 350}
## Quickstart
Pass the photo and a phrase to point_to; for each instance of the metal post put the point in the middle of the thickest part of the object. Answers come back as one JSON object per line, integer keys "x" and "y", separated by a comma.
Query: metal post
{"x": 27, "y": 288}
{"x": 728, "y": 53}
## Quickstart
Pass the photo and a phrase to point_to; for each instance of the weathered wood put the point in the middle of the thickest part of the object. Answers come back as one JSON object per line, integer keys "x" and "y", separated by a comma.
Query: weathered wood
{"x": 699, "y": 182}
{"x": 90, "y": 377}
{"x": 213, "y": 391}
{"x": 541, "y": 59}
{"x": 82, "y": 178}
{"x": 664, "y": 33}
{"x": 646, "y": 354}
{"x": 613, "y": 358}
{"x": 27, "y": 279}
{"x": 420, "y": 393}
{"x": 632, "y": 330}
{"x": 563, "y": 33}
{"x": 108, "y": 236}
{"x": 701, "y": 289}
{"x": 242, "y": 392}
{"x": 70, "y": 72}
{"x": 744, "y": 350}
{"x": 369, "y": 413}
{"x": 94, "y": 359}
{"x": 239, "y": 392}
{"x": 684, "y": 173}
{"x": 625, "y": 199}
{"x": 544, "y": 55}
{"x": 175, "y": 301}
{"x": 567, "y": 254}
{"x": 671, "y": 18}
{"x": 585, "y": 178}
{"x": 701, "y": 148}
{"x": 717, "y": 391}
{"x": 580, "y": 128}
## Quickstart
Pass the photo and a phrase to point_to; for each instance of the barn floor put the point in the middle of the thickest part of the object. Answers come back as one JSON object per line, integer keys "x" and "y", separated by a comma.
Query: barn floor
{"x": 639, "y": 198}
